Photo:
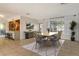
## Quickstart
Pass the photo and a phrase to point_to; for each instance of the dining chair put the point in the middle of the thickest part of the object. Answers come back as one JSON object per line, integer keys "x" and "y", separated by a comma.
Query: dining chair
{"x": 59, "y": 34}
{"x": 55, "y": 38}
{"x": 41, "y": 42}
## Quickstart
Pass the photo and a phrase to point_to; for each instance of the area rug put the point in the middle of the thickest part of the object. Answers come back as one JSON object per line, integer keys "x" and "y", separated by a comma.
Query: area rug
{"x": 46, "y": 51}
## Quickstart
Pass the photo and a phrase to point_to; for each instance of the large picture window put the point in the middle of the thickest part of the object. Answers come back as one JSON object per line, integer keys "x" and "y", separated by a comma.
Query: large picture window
{"x": 56, "y": 26}
{"x": 2, "y": 29}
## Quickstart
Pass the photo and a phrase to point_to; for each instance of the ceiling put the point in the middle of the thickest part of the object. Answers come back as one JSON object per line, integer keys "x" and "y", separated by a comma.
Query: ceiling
{"x": 38, "y": 10}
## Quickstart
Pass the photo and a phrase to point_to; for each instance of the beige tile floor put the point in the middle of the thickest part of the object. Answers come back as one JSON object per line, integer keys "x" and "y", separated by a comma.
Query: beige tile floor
{"x": 14, "y": 48}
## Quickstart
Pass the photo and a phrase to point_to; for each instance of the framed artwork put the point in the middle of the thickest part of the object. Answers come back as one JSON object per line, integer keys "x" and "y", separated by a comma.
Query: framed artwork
{"x": 14, "y": 25}
{"x": 11, "y": 26}
{"x": 17, "y": 25}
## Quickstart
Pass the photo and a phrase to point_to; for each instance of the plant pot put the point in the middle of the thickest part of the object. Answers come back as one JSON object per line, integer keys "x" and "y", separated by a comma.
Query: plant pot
{"x": 72, "y": 38}
{"x": 73, "y": 33}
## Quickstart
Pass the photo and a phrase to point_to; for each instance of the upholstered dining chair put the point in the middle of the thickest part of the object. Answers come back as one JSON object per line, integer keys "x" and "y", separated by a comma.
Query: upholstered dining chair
{"x": 59, "y": 34}
{"x": 41, "y": 41}
{"x": 55, "y": 38}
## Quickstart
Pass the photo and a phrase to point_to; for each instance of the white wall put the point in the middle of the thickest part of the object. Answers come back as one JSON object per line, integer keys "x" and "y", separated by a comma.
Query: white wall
{"x": 14, "y": 34}
{"x": 67, "y": 31}
{"x": 66, "y": 34}
{"x": 23, "y": 21}
{"x": 22, "y": 27}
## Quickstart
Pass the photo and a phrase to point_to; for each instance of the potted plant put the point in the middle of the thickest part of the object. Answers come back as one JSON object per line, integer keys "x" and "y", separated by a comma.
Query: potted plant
{"x": 72, "y": 27}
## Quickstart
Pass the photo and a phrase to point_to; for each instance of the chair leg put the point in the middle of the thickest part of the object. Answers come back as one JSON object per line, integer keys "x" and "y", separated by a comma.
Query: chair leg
{"x": 46, "y": 52}
{"x": 58, "y": 43}
{"x": 36, "y": 45}
{"x": 55, "y": 52}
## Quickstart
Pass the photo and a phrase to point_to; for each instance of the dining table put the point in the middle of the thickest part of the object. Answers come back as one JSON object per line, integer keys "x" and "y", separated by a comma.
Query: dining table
{"x": 46, "y": 38}
{"x": 48, "y": 35}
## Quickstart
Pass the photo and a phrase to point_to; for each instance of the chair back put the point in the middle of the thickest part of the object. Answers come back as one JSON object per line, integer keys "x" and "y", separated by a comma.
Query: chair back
{"x": 36, "y": 36}
{"x": 59, "y": 34}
